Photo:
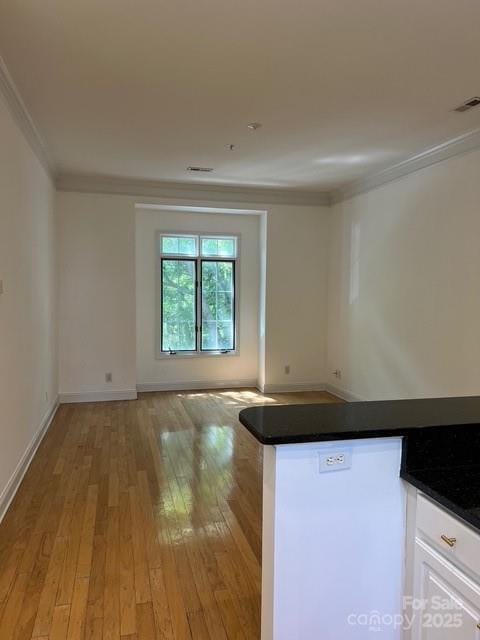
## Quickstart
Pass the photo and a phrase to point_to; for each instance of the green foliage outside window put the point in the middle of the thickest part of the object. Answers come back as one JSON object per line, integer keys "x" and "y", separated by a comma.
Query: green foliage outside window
{"x": 217, "y": 305}
{"x": 178, "y": 305}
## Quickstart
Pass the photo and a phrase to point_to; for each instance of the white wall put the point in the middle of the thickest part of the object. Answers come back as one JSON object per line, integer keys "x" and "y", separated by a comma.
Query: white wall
{"x": 98, "y": 290}
{"x": 404, "y": 285}
{"x": 28, "y": 371}
{"x": 97, "y": 294}
{"x": 262, "y": 309}
{"x": 296, "y": 295}
{"x": 239, "y": 368}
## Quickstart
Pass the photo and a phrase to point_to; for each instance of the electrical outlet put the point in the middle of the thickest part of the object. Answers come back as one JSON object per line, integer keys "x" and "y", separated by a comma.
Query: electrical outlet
{"x": 287, "y": 369}
{"x": 108, "y": 377}
{"x": 335, "y": 460}
{"x": 337, "y": 373}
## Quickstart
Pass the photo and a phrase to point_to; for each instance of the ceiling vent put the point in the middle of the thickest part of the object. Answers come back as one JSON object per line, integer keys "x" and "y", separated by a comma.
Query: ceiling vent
{"x": 469, "y": 104}
{"x": 200, "y": 169}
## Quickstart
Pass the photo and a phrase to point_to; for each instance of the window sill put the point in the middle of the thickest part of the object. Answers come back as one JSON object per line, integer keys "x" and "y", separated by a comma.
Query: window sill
{"x": 196, "y": 354}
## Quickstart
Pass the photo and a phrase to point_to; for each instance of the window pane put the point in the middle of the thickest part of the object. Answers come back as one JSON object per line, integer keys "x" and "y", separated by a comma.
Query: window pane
{"x": 222, "y": 247}
{"x": 209, "y": 247}
{"x": 225, "y": 335}
{"x": 226, "y": 247}
{"x": 169, "y": 245}
{"x": 179, "y": 245}
{"x": 218, "y": 299}
{"x": 209, "y": 336}
{"x": 225, "y": 277}
{"x": 178, "y": 305}
{"x": 186, "y": 246}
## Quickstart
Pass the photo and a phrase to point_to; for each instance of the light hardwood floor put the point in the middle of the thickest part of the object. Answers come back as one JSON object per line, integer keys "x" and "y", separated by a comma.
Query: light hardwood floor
{"x": 139, "y": 520}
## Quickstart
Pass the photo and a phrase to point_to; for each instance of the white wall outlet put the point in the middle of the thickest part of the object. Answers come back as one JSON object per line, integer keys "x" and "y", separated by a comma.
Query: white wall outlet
{"x": 335, "y": 460}
{"x": 287, "y": 369}
{"x": 108, "y": 377}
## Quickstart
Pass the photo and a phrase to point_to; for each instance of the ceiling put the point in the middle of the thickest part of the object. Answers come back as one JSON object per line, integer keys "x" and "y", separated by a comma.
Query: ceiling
{"x": 343, "y": 88}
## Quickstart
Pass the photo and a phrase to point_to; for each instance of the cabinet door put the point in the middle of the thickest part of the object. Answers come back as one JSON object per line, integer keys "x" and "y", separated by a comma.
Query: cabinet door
{"x": 446, "y": 602}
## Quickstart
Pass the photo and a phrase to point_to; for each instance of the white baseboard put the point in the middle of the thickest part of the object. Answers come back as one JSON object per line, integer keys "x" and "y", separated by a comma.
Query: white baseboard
{"x": 344, "y": 394}
{"x": 193, "y": 385}
{"x": 17, "y": 476}
{"x": 98, "y": 396}
{"x": 294, "y": 387}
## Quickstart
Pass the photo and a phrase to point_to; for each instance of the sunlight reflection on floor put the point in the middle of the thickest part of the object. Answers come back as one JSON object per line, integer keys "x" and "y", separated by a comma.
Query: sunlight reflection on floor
{"x": 232, "y": 397}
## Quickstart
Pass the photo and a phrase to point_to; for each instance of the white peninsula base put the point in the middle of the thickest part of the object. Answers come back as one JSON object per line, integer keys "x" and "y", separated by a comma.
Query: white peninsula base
{"x": 333, "y": 541}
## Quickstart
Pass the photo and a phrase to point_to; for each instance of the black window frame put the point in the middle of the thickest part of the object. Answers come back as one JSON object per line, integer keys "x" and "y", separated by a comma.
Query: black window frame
{"x": 233, "y": 262}
{"x": 178, "y": 259}
{"x": 198, "y": 261}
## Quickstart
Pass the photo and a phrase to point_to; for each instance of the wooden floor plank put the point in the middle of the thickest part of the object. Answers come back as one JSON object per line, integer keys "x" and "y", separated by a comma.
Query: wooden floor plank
{"x": 229, "y": 615}
{"x": 76, "y": 624}
{"x": 146, "y": 621}
{"x": 84, "y": 563}
{"x": 61, "y": 617}
{"x": 142, "y": 578}
{"x": 35, "y": 586}
{"x": 163, "y": 620}
{"x": 128, "y": 618}
{"x": 198, "y": 626}
{"x": 111, "y": 617}
{"x": 12, "y": 609}
{"x": 93, "y": 624}
{"x": 48, "y": 598}
{"x": 139, "y": 520}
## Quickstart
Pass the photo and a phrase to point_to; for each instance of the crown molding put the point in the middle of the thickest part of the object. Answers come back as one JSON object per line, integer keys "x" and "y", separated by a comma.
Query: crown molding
{"x": 223, "y": 193}
{"x": 23, "y": 119}
{"x": 214, "y": 192}
{"x": 454, "y": 147}
{"x": 188, "y": 191}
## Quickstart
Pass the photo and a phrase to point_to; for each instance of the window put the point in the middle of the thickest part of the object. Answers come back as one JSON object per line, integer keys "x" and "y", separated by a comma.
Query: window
{"x": 197, "y": 294}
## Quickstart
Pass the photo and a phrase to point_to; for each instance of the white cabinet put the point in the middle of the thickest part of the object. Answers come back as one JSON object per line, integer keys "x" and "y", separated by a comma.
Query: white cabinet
{"x": 438, "y": 527}
{"x": 446, "y": 602}
{"x": 446, "y": 588}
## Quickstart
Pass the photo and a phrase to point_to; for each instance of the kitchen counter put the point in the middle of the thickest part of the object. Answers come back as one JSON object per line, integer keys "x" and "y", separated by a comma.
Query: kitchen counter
{"x": 441, "y": 439}
{"x": 334, "y": 503}
{"x": 443, "y": 462}
{"x": 455, "y": 488}
{"x": 344, "y": 421}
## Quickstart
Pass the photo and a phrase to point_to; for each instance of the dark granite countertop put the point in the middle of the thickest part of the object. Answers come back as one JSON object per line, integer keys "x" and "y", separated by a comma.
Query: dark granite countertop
{"x": 443, "y": 462}
{"x": 441, "y": 442}
{"x": 344, "y": 421}
{"x": 456, "y": 488}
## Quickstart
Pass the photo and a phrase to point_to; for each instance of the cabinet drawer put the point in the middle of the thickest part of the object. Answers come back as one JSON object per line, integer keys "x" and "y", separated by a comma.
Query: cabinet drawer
{"x": 448, "y": 534}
